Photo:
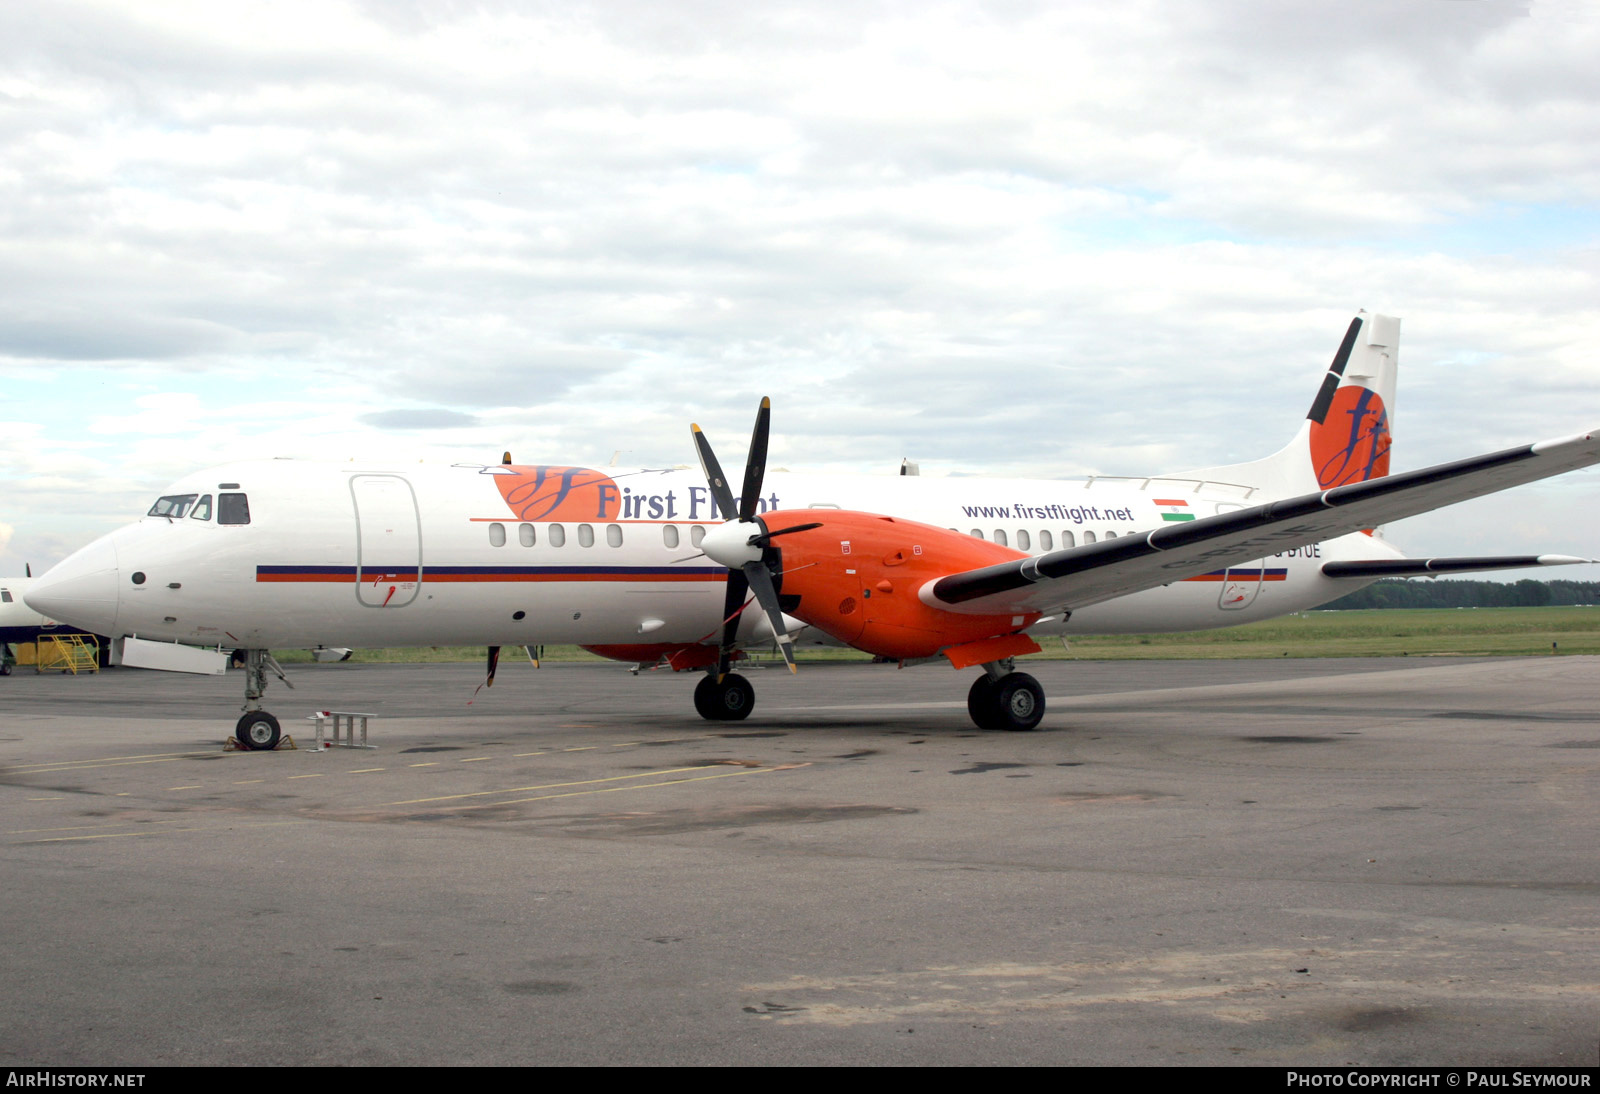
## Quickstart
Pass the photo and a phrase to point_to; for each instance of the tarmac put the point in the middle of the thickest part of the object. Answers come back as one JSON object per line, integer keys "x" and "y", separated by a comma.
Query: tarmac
{"x": 1334, "y": 862}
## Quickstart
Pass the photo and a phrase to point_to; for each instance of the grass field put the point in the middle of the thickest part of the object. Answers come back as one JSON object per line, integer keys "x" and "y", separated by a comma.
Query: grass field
{"x": 1476, "y": 632}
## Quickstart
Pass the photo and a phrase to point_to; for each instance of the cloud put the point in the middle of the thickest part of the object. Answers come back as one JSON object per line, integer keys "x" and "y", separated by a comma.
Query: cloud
{"x": 419, "y": 419}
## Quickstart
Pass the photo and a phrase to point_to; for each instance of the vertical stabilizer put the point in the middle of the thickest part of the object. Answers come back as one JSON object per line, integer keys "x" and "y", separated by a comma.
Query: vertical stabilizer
{"x": 1352, "y": 416}
{"x": 1347, "y": 434}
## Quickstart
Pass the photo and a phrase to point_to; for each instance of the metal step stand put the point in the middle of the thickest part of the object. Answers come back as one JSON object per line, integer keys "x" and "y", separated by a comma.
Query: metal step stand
{"x": 346, "y": 720}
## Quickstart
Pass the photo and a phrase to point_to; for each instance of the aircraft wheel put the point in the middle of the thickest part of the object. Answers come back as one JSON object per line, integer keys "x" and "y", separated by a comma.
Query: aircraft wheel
{"x": 1018, "y": 702}
{"x": 730, "y": 701}
{"x": 257, "y": 731}
{"x": 980, "y": 703}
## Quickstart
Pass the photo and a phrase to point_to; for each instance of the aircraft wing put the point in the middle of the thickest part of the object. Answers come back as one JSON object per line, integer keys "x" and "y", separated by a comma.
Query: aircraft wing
{"x": 1095, "y": 572}
{"x": 1432, "y": 567}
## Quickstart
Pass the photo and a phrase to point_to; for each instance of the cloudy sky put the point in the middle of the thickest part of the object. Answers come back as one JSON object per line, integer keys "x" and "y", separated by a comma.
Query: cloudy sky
{"x": 1004, "y": 238}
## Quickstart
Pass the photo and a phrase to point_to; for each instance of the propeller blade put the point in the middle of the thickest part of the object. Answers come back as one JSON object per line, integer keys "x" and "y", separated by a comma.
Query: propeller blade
{"x": 767, "y": 596}
{"x": 714, "y": 476}
{"x": 767, "y": 537}
{"x": 732, "y": 609}
{"x": 755, "y": 465}
{"x": 494, "y": 661}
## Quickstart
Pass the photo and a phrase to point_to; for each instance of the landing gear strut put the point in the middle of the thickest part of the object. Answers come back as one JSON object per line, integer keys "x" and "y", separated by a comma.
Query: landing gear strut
{"x": 257, "y": 730}
{"x": 1002, "y": 699}
{"x": 731, "y": 700}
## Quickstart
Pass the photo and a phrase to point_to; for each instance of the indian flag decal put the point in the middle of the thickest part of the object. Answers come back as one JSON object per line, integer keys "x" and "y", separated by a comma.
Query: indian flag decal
{"x": 1173, "y": 509}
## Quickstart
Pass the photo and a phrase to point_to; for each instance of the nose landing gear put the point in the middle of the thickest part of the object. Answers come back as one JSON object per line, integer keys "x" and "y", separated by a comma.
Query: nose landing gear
{"x": 258, "y": 731}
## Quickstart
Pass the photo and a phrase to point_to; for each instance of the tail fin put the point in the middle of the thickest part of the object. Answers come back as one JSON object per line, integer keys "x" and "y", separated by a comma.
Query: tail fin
{"x": 1347, "y": 434}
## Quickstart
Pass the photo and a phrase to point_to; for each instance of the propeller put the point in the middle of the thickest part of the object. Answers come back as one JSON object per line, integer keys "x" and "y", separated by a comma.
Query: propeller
{"x": 741, "y": 542}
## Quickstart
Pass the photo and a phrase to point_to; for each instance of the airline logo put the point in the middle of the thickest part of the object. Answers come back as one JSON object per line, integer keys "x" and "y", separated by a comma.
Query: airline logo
{"x": 577, "y": 494}
{"x": 1173, "y": 509}
{"x": 1351, "y": 443}
{"x": 558, "y": 493}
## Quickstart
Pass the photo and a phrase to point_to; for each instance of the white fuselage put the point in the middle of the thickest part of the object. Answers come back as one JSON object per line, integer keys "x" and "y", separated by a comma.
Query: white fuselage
{"x": 352, "y": 555}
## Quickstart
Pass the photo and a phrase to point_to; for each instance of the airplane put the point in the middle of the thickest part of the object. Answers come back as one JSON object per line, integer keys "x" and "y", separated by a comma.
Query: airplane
{"x": 19, "y": 622}
{"x": 657, "y": 566}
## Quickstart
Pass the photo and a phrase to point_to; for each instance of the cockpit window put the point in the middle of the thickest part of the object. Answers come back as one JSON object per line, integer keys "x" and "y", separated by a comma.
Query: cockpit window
{"x": 173, "y": 505}
{"x": 233, "y": 509}
{"x": 202, "y": 508}
{"x": 5, "y": 596}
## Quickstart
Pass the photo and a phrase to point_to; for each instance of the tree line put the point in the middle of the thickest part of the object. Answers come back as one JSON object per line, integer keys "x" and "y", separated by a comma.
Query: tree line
{"x": 1453, "y": 593}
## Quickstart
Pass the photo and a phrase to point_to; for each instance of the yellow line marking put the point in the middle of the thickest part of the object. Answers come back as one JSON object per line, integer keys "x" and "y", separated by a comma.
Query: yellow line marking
{"x": 318, "y": 775}
{"x": 57, "y": 798}
{"x": 580, "y": 748}
{"x": 547, "y": 786}
{"x": 87, "y": 765}
{"x": 517, "y": 754}
{"x": 82, "y": 827}
{"x": 107, "y": 835}
{"x": 191, "y": 786}
{"x": 119, "y": 835}
{"x": 475, "y": 759}
{"x": 430, "y": 763}
{"x": 100, "y": 761}
{"x": 245, "y": 782}
{"x": 614, "y": 789}
{"x": 363, "y": 770}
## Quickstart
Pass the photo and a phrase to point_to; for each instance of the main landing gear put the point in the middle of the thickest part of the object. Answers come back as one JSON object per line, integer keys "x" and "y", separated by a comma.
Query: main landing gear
{"x": 258, "y": 731}
{"x": 729, "y": 700}
{"x": 1003, "y": 699}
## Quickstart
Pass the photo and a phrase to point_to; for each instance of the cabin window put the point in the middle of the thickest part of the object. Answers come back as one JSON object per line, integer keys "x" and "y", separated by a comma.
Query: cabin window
{"x": 497, "y": 535}
{"x": 669, "y": 535}
{"x": 1111, "y": 535}
{"x": 525, "y": 535}
{"x": 1088, "y": 537}
{"x": 233, "y": 509}
{"x": 1044, "y": 542}
{"x": 202, "y": 508}
{"x": 1000, "y": 536}
{"x": 696, "y": 534}
{"x": 977, "y": 533}
{"x": 173, "y": 505}
{"x": 558, "y": 535}
{"x": 614, "y": 535}
{"x": 585, "y": 535}
{"x": 1067, "y": 540}
{"x": 1022, "y": 540}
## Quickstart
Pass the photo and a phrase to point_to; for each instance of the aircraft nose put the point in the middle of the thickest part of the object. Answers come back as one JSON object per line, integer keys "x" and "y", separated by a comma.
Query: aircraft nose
{"x": 81, "y": 590}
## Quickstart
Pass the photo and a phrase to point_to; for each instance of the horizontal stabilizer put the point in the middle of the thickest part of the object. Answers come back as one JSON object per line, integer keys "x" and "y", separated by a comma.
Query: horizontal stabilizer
{"x": 1422, "y": 567}
{"x": 1095, "y": 572}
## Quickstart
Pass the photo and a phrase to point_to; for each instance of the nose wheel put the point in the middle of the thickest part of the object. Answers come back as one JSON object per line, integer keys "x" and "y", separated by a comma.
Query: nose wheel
{"x": 1014, "y": 701}
{"x": 257, "y": 731}
{"x": 729, "y": 700}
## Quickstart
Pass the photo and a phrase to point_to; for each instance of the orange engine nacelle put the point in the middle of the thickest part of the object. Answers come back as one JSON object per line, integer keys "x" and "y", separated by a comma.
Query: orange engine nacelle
{"x": 857, "y": 578}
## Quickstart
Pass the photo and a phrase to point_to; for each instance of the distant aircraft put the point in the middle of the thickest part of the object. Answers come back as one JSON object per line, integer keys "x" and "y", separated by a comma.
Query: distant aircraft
{"x": 18, "y": 621}
{"x": 658, "y": 566}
